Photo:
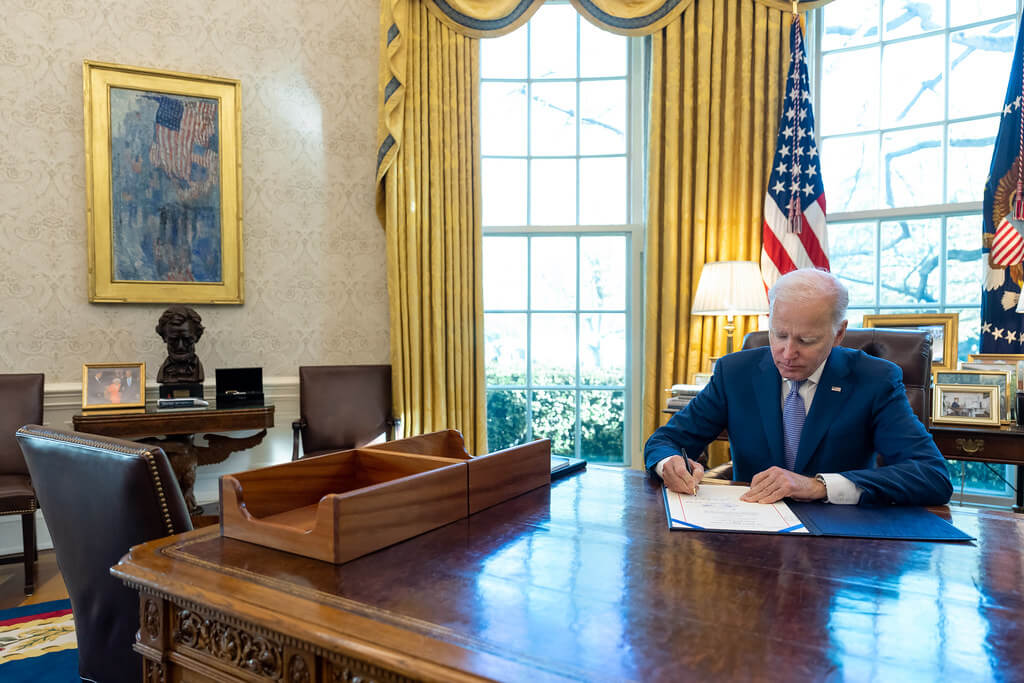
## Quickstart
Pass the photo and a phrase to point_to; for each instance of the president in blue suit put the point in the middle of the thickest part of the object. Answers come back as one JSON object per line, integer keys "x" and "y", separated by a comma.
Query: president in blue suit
{"x": 806, "y": 417}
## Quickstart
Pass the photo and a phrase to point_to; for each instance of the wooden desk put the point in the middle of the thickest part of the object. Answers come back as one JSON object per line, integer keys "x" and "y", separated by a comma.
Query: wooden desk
{"x": 1004, "y": 446}
{"x": 175, "y": 430}
{"x": 585, "y": 581}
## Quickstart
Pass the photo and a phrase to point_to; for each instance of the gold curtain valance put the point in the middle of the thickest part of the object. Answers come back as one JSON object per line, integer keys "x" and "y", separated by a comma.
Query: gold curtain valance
{"x": 491, "y": 18}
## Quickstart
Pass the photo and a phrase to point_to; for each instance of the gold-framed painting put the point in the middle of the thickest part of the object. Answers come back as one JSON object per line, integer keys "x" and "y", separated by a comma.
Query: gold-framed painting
{"x": 113, "y": 385}
{"x": 966, "y": 404}
{"x": 163, "y": 186}
{"x": 943, "y": 327}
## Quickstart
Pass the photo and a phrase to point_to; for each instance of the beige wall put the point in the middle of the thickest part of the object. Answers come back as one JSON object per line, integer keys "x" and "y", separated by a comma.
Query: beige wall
{"x": 315, "y": 287}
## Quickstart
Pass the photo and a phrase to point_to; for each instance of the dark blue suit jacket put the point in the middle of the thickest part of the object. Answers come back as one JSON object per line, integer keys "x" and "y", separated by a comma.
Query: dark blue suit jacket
{"x": 860, "y": 408}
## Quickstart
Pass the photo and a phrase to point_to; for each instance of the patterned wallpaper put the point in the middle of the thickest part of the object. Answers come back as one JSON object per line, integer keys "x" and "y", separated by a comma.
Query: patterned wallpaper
{"x": 315, "y": 285}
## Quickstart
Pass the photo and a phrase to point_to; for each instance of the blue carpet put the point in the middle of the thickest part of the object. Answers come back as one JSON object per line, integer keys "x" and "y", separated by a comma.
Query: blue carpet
{"x": 37, "y": 644}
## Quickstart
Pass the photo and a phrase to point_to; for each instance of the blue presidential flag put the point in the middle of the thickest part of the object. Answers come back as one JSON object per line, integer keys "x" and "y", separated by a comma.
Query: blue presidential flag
{"x": 1002, "y": 327}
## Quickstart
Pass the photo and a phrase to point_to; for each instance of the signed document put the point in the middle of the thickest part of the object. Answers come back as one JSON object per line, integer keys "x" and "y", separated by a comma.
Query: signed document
{"x": 719, "y": 508}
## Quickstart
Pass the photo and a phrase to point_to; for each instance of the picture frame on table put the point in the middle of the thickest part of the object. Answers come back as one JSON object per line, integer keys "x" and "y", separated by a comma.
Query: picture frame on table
{"x": 966, "y": 405}
{"x": 113, "y": 385}
{"x": 943, "y": 326}
{"x": 1003, "y": 379}
{"x": 1015, "y": 361}
{"x": 163, "y": 186}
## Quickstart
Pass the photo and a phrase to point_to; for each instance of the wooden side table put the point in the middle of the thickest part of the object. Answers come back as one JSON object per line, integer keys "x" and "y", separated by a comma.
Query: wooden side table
{"x": 1004, "y": 445}
{"x": 175, "y": 430}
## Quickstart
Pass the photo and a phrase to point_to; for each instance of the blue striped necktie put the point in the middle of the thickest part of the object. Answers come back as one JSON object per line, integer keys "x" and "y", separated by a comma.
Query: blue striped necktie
{"x": 793, "y": 415}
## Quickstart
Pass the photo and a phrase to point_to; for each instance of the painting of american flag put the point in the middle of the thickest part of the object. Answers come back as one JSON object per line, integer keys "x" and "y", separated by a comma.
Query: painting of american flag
{"x": 166, "y": 191}
{"x": 794, "y": 232}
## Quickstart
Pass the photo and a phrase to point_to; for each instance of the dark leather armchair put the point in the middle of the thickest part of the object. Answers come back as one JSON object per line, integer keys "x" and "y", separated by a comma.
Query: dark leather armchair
{"x": 342, "y": 407}
{"x": 909, "y": 349}
{"x": 21, "y": 402}
{"x": 101, "y": 496}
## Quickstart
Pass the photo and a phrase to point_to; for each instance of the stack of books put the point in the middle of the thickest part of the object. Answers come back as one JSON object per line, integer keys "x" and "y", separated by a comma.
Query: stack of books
{"x": 680, "y": 395}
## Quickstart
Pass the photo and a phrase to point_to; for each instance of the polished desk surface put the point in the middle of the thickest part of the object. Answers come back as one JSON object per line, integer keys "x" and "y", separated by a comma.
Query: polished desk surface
{"x": 585, "y": 581}
{"x": 156, "y": 422}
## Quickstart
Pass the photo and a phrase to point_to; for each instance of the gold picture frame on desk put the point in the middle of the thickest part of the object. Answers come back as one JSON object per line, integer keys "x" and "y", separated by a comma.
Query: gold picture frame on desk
{"x": 1014, "y": 363}
{"x": 163, "y": 186}
{"x": 943, "y": 327}
{"x": 1003, "y": 379}
{"x": 965, "y": 404}
{"x": 113, "y": 385}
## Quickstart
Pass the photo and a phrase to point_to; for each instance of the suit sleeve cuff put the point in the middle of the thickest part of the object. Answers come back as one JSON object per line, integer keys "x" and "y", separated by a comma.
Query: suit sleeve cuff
{"x": 839, "y": 490}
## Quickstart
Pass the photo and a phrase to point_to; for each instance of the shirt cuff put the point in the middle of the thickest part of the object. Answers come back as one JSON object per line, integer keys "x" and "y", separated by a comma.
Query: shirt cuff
{"x": 840, "y": 491}
{"x": 659, "y": 466}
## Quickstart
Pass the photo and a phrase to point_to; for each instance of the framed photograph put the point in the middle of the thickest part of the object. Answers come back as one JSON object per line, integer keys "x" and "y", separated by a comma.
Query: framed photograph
{"x": 113, "y": 385}
{"x": 943, "y": 327}
{"x": 163, "y": 186}
{"x": 966, "y": 405}
{"x": 1003, "y": 379}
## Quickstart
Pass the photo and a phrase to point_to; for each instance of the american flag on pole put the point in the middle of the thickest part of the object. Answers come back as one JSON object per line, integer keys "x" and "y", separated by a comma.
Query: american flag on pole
{"x": 181, "y": 125}
{"x": 794, "y": 233}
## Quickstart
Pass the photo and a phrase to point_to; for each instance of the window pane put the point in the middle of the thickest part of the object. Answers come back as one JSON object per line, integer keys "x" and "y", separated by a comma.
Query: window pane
{"x": 970, "y": 155}
{"x": 979, "y": 477}
{"x": 505, "y": 269}
{"x": 553, "y": 192}
{"x": 849, "y": 91}
{"x": 503, "y": 119}
{"x": 910, "y": 271}
{"x": 506, "y": 419}
{"x": 979, "y": 65}
{"x": 504, "y": 57}
{"x": 913, "y": 83}
{"x": 849, "y": 166}
{"x": 602, "y": 53}
{"x": 553, "y": 119}
{"x": 850, "y": 23}
{"x": 963, "y": 260}
{"x": 912, "y": 167}
{"x": 503, "y": 191}
{"x": 603, "y": 191}
{"x": 505, "y": 348}
{"x": 969, "y": 331}
{"x": 553, "y": 349}
{"x": 970, "y": 11}
{"x": 603, "y": 272}
{"x": 602, "y": 421}
{"x": 603, "y": 349}
{"x": 554, "y": 417}
{"x": 553, "y": 42}
{"x": 912, "y": 17}
{"x": 603, "y": 117}
{"x": 553, "y": 273}
{"x": 851, "y": 255}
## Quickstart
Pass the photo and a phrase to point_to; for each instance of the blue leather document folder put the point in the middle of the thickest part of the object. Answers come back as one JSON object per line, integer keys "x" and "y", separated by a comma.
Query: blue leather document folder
{"x": 898, "y": 522}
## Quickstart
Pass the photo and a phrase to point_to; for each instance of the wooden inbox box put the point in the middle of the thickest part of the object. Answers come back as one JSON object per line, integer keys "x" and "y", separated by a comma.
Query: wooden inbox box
{"x": 340, "y": 506}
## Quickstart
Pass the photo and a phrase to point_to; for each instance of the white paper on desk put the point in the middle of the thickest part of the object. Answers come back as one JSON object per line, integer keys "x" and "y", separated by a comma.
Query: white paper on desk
{"x": 719, "y": 508}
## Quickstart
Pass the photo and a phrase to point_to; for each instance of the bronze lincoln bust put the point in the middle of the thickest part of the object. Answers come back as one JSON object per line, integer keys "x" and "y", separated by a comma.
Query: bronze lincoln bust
{"x": 180, "y": 327}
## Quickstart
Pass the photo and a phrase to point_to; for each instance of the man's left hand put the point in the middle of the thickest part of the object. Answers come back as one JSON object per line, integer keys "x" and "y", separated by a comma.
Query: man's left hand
{"x": 776, "y": 483}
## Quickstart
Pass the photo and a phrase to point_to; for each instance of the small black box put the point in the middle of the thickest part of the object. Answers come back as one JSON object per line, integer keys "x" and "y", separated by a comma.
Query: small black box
{"x": 239, "y": 386}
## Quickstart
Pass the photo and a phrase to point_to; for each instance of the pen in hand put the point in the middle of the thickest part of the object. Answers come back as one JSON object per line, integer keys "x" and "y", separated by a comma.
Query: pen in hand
{"x": 689, "y": 470}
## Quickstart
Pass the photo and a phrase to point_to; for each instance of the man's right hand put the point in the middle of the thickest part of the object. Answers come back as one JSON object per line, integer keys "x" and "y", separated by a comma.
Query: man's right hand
{"x": 676, "y": 476}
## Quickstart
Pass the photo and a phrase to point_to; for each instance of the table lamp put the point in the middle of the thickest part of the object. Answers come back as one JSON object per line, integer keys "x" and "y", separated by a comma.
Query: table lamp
{"x": 730, "y": 288}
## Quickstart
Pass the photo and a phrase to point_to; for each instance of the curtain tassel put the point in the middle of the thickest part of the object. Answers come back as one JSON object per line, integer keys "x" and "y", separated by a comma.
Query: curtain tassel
{"x": 796, "y": 216}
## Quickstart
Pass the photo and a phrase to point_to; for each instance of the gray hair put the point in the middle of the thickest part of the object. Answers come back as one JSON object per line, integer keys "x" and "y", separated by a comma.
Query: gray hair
{"x": 807, "y": 285}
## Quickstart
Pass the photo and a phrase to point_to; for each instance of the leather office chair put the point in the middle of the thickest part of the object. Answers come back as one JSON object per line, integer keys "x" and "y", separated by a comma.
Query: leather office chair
{"x": 101, "y": 496}
{"x": 21, "y": 402}
{"x": 342, "y": 407}
{"x": 909, "y": 349}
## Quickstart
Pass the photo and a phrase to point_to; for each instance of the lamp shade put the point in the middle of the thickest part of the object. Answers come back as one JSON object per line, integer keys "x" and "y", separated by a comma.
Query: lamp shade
{"x": 730, "y": 288}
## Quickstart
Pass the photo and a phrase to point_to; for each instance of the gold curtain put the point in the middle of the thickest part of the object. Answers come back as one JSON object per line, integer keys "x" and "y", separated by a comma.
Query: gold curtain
{"x": 717, "y": 84}
{"x": 429, "y": 199}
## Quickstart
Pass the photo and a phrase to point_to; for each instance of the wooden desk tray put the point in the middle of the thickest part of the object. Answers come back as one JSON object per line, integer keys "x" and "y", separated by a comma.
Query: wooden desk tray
{"x": 340, "y": 506}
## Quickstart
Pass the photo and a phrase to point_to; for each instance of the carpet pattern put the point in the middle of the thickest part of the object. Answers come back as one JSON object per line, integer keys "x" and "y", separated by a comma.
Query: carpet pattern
{"x": 37, "y": 643}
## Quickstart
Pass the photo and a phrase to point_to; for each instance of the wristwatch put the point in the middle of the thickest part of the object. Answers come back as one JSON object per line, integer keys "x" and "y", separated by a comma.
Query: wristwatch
{"x": 821, "y": 478}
